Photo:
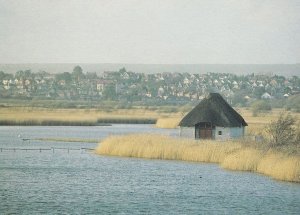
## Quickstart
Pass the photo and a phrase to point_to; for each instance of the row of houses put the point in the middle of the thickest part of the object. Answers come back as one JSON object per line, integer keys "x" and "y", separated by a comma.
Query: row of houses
{"x": 123, "y": 84}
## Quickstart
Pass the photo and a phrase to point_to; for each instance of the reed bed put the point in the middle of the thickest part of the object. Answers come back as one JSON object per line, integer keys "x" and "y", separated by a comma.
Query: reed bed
{"x": 164, "y": 147}
{"x": 81, "y": 117}
{"x": 280, "y": 166}
{"x": 171, "y": 122}
{"x": 44, "y": 116}
{"x": 246, "y": 159}
{"x": 230, "y": 155}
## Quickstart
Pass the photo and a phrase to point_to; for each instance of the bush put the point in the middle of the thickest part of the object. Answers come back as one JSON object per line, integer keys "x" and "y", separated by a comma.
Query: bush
{"x": 283, "y": 131}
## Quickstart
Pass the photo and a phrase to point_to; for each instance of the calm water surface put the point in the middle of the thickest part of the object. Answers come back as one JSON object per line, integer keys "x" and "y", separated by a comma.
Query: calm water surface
{"x": 80, "y": 182}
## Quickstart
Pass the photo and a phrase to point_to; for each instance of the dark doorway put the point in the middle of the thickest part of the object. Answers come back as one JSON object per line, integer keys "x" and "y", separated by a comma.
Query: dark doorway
{"x": 203, "y": 130}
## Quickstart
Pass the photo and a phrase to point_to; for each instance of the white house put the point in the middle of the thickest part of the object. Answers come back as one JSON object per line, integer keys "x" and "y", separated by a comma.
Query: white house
{"x": 266, "y": 96}
{"x": 213, "y": 118}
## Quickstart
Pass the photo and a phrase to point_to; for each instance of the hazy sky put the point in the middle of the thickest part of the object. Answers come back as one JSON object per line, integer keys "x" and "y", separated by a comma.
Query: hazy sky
{"x": 152, "y": 31}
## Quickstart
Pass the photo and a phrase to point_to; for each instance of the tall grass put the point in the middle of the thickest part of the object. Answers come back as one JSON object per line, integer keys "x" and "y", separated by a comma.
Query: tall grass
{"x": 34, "y": 116}
{"x": 163, "y": 147}
{"x": 245, "y": 159}
{"x": 84, "y": 117}
{"x": 230, "y": 155}
{"x": 280, "y": 166}
{"x": 168, "y": 122}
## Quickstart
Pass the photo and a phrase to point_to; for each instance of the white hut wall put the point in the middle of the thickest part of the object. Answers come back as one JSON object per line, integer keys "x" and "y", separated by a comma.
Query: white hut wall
{"x": 222, "y": 133}
{"x": 237, "y": 132}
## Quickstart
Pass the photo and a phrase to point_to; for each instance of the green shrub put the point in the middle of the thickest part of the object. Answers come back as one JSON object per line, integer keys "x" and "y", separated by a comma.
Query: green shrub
{"x": 283, "y": 131}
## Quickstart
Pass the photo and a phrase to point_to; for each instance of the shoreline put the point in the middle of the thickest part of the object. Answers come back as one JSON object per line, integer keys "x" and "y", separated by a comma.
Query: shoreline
{"x": 229, "y": 155}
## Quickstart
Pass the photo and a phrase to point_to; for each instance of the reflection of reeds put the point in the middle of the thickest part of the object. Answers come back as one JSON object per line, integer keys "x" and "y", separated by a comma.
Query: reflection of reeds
{"x": 230, "y": 155}
{"x": 29, "y": 122}
{"x": 105, "y": 121}
{"x": 73, "y": 140}
{"x": 127, "y": 120}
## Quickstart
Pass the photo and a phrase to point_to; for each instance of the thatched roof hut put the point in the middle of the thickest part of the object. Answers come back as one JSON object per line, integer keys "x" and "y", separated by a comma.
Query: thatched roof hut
{"x": 213, "y": 118}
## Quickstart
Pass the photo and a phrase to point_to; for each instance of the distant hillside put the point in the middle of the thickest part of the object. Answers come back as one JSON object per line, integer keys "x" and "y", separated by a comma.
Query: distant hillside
{"x": 278, "y": 69}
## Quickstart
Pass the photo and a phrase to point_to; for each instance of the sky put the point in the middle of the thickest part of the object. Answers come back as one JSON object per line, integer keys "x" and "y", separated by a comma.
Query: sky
{"x": 150, "y": 31}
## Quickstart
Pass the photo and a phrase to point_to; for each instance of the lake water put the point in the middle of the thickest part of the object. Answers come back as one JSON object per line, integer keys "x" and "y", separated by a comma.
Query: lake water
{"x": 80, "y": 182}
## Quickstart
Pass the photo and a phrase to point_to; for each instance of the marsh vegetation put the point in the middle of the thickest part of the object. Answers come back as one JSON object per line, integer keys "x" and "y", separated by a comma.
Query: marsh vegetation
{"x": 75, "y": 117}
{"x": 233, "y": 155}
{"x": 277, "y": 154}
{"x": 269, "y": 156}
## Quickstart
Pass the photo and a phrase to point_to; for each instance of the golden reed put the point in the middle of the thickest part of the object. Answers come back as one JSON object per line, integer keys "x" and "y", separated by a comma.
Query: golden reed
{"x": 167, "y": 122}
{"x": 230, "y": 155}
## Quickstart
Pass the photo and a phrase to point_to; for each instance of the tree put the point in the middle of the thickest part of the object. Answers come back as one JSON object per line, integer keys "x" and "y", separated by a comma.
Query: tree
{"x": 283, "y": 131}
{"x": 77, "y": 69}
{"x": 91, "y": 75}
{"x": 122, "y": 70}
{"x": 4, "y": 75}
{"x": 28, "y": 74}
{"x": 109, "y": 92}
{"x": 19, "y": 74}
{"x": 64, "y": 76}
{"x": 258, "y": 91}
{"x": 77, "y": 73}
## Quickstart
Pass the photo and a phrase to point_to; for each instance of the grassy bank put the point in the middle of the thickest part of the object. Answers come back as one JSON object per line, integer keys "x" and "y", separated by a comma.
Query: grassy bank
{"x": 73, "y": 117}
{"x": 230, "y": 155}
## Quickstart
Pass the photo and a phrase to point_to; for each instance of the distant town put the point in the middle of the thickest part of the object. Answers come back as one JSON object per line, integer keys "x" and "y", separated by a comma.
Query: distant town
{"x": 123, "y": 85}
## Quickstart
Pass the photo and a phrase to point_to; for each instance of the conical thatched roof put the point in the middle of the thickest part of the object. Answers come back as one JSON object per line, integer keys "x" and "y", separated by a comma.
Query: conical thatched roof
{"x": 216, "y": 110}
